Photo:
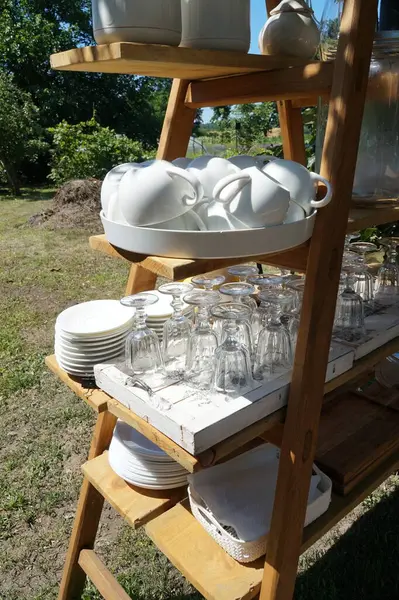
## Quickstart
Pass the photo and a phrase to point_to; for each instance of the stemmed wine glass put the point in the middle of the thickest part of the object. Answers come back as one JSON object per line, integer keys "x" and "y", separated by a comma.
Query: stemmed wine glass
{"x": 232, "y": 369}
{"x": 242, "y": 271}
{"x": 176, "y": 330}
{"x": 202, "y": 341}
{"x": 241, "y": 293}
{"x": 208, "y": 282}
{"x": 387, "y": 285}
{"x": 274, "y": 351}
{"x": 143, "y": 352}
{"x": 349, "y": 313}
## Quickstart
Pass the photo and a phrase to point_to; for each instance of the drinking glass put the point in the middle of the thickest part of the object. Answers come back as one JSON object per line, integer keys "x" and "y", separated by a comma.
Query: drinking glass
{"x": 265, "y": 281}
{"x": 363, "y": 279}
{"x": 349, "y": 313}
{"x": 208, "y": 282}
{"x": 242, "y": 271}
{"x": 274, "y": 350}
{"x": 245, "y": 326}
{"x": 143, "y": 352}
{"x": 202, "y": 341}
{"x": 387, "y": 285}
{"x": 176, "y": 330}
{"x": 232, "y": 368}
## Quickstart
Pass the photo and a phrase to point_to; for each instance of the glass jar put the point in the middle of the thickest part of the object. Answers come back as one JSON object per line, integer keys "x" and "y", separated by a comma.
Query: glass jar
{"x": 377, "y": 170}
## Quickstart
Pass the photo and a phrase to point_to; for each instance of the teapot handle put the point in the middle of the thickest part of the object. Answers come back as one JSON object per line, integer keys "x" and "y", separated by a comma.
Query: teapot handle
{"x": 192, "y": 180}
{"x": 327, "y": 198}
{"x": 242, "y": 178}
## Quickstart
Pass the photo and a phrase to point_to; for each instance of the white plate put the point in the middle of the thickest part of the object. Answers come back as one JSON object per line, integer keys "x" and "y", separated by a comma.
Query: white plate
{"x": 98, "y": 317}
{"x": 89, "y": 356}
{"x": 86, "y": 352}
{"x": 64, "y": 337}
{"x": 94, "y": 345}
{"x": 137, "y": 443}
{"x": 139, "y": 482}
{"x": 86, "y": 374}
{"x": 162, "y": 309}
{"x": 208, "y": 244}
{"x": 150, "y": 467}
{"x": 83, "y": 363}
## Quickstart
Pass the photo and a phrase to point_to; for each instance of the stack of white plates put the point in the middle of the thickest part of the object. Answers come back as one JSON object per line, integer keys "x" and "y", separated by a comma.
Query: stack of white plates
{"x": 90, "y": 333}
{"x": 161, "y": 311}
{"x": 140, "y": 462}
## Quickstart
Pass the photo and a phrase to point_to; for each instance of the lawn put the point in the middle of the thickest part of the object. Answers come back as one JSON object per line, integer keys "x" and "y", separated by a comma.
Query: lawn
{"x": 45, "y": 433}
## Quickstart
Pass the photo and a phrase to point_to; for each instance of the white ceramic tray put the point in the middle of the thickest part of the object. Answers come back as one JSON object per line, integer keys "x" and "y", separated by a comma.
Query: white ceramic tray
{"x": 208, "y": 244}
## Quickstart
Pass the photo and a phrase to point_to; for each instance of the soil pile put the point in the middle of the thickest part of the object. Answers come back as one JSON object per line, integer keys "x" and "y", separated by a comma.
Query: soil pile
{"x": 76, "y": 205}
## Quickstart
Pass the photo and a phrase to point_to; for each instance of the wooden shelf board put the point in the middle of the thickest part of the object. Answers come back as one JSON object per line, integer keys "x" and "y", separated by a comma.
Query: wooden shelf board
{"x": 218, "y": 576}
{"x": 361, "y": 218}
{"x": 180, "y": 268}
{"x": 137, "y": 505}
{"x": 96, "y": 399}
{"x": 167, "y": 61}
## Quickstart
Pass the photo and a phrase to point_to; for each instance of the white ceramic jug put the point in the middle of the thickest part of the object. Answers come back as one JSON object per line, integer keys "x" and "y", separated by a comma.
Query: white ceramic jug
{"x": 143, "y": 21}
{"x": 209, "y": 170}
{"x": 158, "y": 193}
{"x": 253, "y": 197}
{"x": 301, "y": 183}
{"x": 216, "y": 24}
{"x": 290, "y": 30}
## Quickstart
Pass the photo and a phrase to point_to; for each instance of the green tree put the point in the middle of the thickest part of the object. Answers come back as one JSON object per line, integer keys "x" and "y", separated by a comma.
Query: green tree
{"x": 255, "y": 120}
{"x": 20, "y": 133}
{"x": 88, "y": 150}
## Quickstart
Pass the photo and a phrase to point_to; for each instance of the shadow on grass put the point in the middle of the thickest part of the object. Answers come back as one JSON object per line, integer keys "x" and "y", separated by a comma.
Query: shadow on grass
{"x": 30, "y": 194}
{"x": 363, "y": 564}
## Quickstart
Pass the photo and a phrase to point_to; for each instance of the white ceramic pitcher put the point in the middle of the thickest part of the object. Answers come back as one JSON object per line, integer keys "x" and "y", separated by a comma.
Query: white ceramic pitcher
{"x": 301, "y": 183}
{"x": 157, "y": 193}
{"x": 253, "y": 197}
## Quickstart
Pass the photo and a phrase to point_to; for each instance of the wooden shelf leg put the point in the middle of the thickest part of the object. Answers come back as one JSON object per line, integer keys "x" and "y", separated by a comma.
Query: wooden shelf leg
{"x": 178, "y": 123}
{"x": 140, "y": 280}
{"x": 322, "y": 279}
{"x": 87, "y": 517}
{"x": 292, "y": 132}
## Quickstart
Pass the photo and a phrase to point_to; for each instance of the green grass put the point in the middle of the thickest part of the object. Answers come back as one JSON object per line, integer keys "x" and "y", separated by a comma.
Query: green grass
{"x": 45, "y": 433}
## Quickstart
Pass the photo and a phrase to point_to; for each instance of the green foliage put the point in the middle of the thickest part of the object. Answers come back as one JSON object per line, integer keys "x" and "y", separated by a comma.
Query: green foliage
{"x": 20, "y": 133}
{"x": 89, "y": 150}
{"x": 255, "y": 121}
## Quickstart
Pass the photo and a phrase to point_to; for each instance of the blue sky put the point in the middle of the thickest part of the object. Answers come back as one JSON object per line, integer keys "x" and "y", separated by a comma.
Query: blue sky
{"x": 258, "y": 18}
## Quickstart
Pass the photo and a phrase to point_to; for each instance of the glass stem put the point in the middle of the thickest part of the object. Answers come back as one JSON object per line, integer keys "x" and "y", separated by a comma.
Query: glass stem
{"x": 140, "y": 318}
{"x": 177, "y": 306}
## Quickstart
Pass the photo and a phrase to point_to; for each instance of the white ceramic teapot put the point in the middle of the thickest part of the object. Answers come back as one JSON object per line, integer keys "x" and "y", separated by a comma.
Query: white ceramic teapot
{"x": 158, "y": 193}
{"x": 253, "y": 197}
{"x": 301, "y": 183}
{"x": 291, "y": 30}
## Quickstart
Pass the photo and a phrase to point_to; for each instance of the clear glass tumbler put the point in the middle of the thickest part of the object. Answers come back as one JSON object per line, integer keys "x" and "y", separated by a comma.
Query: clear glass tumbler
{"x": 387, "y": 284}
{"x": 143, "y": 352}
{"x": 349, "y": 313}
{"x": 176, "y": 330}
{"x": 232, "y": 369}
{"x": 202, "y": 341}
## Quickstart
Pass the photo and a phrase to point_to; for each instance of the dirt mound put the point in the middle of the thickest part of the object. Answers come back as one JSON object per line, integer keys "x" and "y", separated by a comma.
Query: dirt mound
{"x": 76, "y": 205}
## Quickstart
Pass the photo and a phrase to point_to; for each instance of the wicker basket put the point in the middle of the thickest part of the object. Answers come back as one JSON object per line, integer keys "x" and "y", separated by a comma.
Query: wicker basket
{"x": 244, "y": 551}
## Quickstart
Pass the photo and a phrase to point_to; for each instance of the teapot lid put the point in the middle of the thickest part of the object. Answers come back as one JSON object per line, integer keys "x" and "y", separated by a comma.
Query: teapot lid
{"x": 298, "y": 6}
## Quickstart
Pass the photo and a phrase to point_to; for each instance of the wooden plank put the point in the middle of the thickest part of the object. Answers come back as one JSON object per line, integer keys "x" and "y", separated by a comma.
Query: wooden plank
{"x": 354, "y": 434}
{"x": 99, "y": 575}
{"x": 178, "y": 123}
{"x": 136, "y": 505}
{"x": 87, "y": 517}
{"x": 201, "y": 560}
{"x": 140, "y": 280}
{"x": 167, "y": 61}
{"x": 96, "y": 399}
{"x": 292, "y": 132}
{"x": 323, "y": 271}
{"x": 361, "y": 218}
{"x": 178, "y": 268}
{"x": 342, "y": 505}
{"x": 313, "y": 79}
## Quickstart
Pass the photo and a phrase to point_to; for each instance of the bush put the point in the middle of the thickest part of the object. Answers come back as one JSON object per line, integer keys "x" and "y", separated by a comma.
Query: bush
{"x": 88, "y": 150}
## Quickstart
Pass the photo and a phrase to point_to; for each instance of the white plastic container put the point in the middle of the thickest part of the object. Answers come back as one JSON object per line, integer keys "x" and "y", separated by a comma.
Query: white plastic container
{"x": 141, "y": 21}
{"x": 216, "y": 24}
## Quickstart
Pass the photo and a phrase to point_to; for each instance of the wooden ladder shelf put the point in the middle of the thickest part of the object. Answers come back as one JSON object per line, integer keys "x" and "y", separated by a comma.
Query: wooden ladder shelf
{"x": 211, "y": 78}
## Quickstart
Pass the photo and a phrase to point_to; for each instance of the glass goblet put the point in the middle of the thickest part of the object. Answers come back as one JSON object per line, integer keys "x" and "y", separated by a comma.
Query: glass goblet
{"x": 208, "y": 282}
{"x": 387, "y": 285}
{"x": 232, "y": 363}
{"x": 176, "y": 330}
{"x": 274, "y": 349}
{"x": 202, "y": 341}
{"x": 242, "y": 271}
{"x": 143, "y": 352}
{"x": 349, "y": 313}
